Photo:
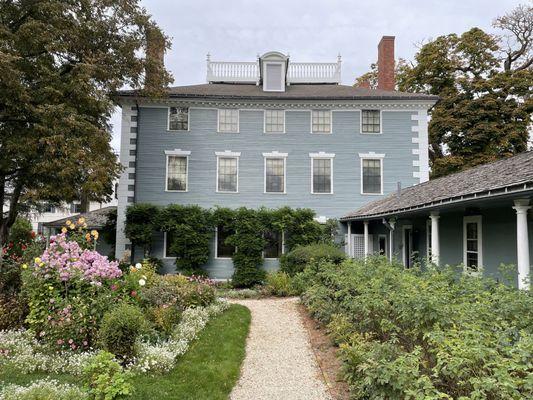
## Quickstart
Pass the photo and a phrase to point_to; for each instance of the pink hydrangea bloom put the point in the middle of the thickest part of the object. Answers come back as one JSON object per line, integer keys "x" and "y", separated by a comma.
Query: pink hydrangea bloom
{"x": 69, "y": 260}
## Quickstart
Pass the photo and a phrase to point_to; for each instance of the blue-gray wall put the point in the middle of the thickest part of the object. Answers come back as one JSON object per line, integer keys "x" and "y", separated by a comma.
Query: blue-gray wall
{"x": 202, "y": 140}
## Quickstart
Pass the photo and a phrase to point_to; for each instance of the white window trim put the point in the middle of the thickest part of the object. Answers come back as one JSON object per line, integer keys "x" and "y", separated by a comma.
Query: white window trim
{"x": 322, "y": 155}
{"x": 238, "y": 120}
{"x": 165, "y": 248}
{"x": 216, "y": 247}
{"x": 228, "y": 154}
{"x": 479, "y": 220}
{"x": 371, "y": 156}
{"x": 380, "y": 121}
{"x": 265, "y": 81}
{"x": 275, "y": 155}
{"x": 178, "y": 153}
{"x": 264, "y": 122}
{"x": 188, "y": 120}
{"x": 330, "y": 123}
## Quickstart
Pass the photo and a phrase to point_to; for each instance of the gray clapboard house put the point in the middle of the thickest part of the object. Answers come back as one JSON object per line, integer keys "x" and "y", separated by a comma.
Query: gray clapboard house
{"x": 272, "y": 133}
{"x": 478, "y": 218}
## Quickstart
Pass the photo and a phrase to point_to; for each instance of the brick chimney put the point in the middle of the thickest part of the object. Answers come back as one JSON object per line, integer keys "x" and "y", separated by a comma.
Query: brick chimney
{"x": 386, "y": 79}
{"x": 155, "y": 59}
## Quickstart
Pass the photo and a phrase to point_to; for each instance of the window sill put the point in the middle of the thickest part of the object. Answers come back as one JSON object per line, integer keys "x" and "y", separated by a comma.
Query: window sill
{"x": 176, "y": 191}
{"x": 321, "y": 133}
{"x": 322, "y": 194}
{"x": 371, "y": 194}
{"x": 226, "y": 192}
{"x": 178, "y": 131}
{"x": 223, "y": 258}
{"x": 371, "y": 133}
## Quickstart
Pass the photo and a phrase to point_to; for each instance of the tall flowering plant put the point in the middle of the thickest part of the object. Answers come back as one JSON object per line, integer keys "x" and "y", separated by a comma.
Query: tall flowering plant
{"x": 69, "y": 288}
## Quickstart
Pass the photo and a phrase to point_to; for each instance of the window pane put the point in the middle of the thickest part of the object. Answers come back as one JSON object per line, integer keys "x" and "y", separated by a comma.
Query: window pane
{"x": 274, "y": 121}
{"x": 275, "y": 175}
{"x": 322, "y": 175}
{"x": 223, "y": 249}
{"x": 321, "y": 121}
{"x": 168, "y": 244}
{"x": 472, "y": 260}
{"x": 177, "y": 173}
{"x": 227, "y": 174}
{"x": 178, "y": 119}
{"x": 371, "y": 121}
{"x": 371, "y": 176}
{"x": 228, "y": 120}
{"x": 273, "y": 247}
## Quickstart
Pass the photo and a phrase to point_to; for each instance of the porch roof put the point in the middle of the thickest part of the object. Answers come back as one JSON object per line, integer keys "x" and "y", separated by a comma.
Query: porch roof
{"x": 513, "y": 175}
{"x": 95, "y": 219}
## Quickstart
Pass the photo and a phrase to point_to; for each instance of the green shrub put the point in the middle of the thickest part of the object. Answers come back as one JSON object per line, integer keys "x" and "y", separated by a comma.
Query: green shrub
{"x": 13, "y": 311}
{"x": 46, "y": 389}
{"x": 416, "y": 334}
{"x": 105, "y": 378}
{"x": 141, "y": 223}
{"x": 120, "y": 329}
{"x": 296, "y": 260}
{"x": 279, "y": 284}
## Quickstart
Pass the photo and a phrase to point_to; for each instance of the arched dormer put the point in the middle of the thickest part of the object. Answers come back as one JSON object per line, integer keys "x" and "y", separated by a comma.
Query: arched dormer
{"x": 273, "y": 68}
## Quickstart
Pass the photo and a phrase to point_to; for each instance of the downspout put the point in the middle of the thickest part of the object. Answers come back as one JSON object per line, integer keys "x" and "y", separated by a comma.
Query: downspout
{"x": 390, "y": 225}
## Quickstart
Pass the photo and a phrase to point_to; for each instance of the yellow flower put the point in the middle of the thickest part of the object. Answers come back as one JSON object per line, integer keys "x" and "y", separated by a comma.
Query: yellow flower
{"x": 72, "y": 226}
{"x": 85, "y": 225}
{"x": 133, "y": 269}
{"x": 24, "y": 266}
{"x": 81, "y": 220}
{"x": 41, "y": 264}
{"x": 50, "y": 288}
{"x": 37, "y": 260}
{"x": 68, "y": 222}
{"x": 88, "y": 237}
{"x": 64, "y": 230}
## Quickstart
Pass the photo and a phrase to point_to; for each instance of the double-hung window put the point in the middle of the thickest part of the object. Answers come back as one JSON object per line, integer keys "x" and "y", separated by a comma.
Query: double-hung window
{"x": 274, "y": 121}
{"x": 228, "y": 120}
{"x": 177, "y": 170}
{"x": 227, "y": 172}
{"x": 178, "y": 119}
{"x": 472, "y": 235}
{"x": 371, "y": 121}
{"x": 321, "y": 173}
{"x": 274, "y": 244}
{"x": 275, "y": 165}
{"x": 371, "y": 173}
{"x": 223, "y": 249}
{"x": 321, "y": 121}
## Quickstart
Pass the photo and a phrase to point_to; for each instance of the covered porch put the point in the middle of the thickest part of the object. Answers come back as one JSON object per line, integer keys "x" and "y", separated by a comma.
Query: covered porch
{"x": 450, "y": 221}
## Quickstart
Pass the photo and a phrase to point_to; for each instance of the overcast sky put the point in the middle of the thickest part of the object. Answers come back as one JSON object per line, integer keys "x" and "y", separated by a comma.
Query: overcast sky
{"x": 309, "y": 30}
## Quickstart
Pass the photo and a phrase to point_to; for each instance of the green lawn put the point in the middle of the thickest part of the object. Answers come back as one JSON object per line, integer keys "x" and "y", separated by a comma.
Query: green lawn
{"x": 209, "y": 370}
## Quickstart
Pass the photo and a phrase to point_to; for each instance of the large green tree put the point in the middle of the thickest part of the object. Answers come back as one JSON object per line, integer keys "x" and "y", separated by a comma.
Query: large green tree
{"x": 60, "y": 62}
{"x": 484, "y": 82}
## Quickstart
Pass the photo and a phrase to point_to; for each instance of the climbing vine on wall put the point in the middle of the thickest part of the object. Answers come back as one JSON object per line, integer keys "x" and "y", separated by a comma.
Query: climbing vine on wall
{"x": 191, "y": 228}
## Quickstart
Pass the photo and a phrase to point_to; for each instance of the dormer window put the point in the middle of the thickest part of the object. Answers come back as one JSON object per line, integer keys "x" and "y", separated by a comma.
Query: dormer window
{"x": 274, "y": 81}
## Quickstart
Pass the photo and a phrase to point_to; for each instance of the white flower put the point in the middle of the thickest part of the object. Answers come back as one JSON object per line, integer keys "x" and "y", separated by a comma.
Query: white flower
{"x": 142, "y": 282}
{"x": 138, "y": 265}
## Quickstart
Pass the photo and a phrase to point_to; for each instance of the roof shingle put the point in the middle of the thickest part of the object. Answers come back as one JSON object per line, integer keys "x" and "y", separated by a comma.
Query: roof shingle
{"x": 292, "y": 92}
{"x": 500, "y": 174}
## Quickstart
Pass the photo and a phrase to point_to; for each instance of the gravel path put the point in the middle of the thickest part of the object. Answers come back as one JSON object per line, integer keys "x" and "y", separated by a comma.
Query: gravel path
{"x": 279, "y": 362}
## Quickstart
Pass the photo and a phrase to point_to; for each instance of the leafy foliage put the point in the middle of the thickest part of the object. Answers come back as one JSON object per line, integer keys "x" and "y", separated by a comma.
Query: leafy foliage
{"x": 190, "y": 228}
{"x": 121, "y": 327}
{"x": 416, "y": 334}
{"x": 141, "y": 222}
{"x": 105, "y": 378}
{"x": 60, "y": 62}
{"x": 279, "y": 284}
{"x": 297, "y": 259}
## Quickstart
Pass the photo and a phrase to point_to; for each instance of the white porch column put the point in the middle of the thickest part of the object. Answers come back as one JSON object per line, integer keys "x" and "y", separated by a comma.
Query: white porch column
{"x": 522, "y": 242}
{"x": 366, "y": 238}
{"x": 350, "y": 239}
{"x": 435, "y": 242}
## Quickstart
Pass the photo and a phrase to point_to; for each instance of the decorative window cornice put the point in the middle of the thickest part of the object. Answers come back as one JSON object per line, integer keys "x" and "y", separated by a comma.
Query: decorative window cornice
{"x": 177, "y": 152}
{"x": 371, "y": 155}
{"x": 275, "y": 154}
{"x": 322, "y": 154}
{"x": 228, "y": 153}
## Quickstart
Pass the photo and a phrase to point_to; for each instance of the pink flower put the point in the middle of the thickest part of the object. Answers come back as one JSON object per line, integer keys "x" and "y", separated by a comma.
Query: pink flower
{"x": 133, "y": 293}
{"x": 70, "y": 341}
{"x": 60, "y": 341}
